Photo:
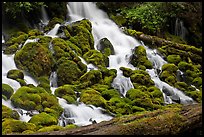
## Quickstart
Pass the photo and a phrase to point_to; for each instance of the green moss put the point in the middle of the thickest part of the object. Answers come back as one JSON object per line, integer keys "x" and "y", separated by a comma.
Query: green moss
{"x": 20, "y": 39}
{"x": 35, "y": 59}
{"x": 95, "y": 57}
{"x": 155, "y": 92}
{"x": 16, "y": 126}
{"x": 44, "y": 39}
{"x": 139, "y": 57}
{"x": 127, "y": 72}
{"x": 196, "y": 95}
{"x": 21, "y": 82}
{"x": 91, "y": 96}
{"x": 52, "y": 23}
{"x": 74, "y": 48}
{"x": 118, "y": 19}
{"x": 66, "y": 92}
{"x": 70, "y": 126}
{"x": 197, "y": 81}
{"x": 171, "y": 68}
{"x": 67, "y": 72}
{"x": 171, "y": 80}
{"x": 35, "y": 98}
{"x": 11, "y": 49}
{"x": 43, "y": 119}
{"x": 137, "y": 109}
{"x": 15, "y": 74}
{"x": 108, "y": 94}
{"x": 104, "y": 46}
{"x": 34, "y": 32}
{"x": 50, "y": 128}
{"x": 9, "y": 113}
{"x": 175, "y": 59}
{"x": 44, "y": 82}
{"x": 182, "y": 86}
{"x": 183, "y": 66}
{"x": 7, "y": 90}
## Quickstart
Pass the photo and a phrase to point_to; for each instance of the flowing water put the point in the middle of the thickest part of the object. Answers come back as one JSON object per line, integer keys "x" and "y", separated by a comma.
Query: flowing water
{"x": 102, "y": 27}
{"x": 180, "y": 29}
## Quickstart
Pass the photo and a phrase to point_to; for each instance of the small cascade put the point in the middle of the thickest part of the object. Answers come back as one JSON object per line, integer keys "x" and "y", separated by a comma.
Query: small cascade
{"x": 81, "y": 114}
{"x": 53, "y": 79}
{"x": 44, "y": 15}
{"x": 180, "y": 29}
{"x": 52, "y": 33}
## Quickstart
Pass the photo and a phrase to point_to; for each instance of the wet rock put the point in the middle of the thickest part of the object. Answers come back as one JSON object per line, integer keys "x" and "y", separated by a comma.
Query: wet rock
{"x": 104, "y": 45}
{"x": 167, "y": 91}
{"x": 175, "y": 98}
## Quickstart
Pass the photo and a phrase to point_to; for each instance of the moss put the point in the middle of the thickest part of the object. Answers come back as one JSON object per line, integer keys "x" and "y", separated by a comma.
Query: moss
{"x": 118, "y": 19}
{"x": 7, "y": 90}
{"x": 44, "y": 82}
{"x": 35, "y": 59}
{"x": 51, "y": 128}
{"x": 34, "y": 32}
{"x": 171, "y": 80}
{"x": 52, "y": 23}
{"x": 171, "y": 68}
{"x": 44, "y": 39}
{"x": 21, "y": 82}
{"x": 108, "y": 75}
{"x": 43, "y": 119}
{"x": 16, "y": 126}
{"x": 155, "y": 92}
{"x": 15, "y": 74}
{"x": 74, "y": 48}
{"x": 137, "y": 109}
{"x": 95, "y": 57}
{"x": 100, "y": 87}
{"x": 182, "y": 86}
{"x": 196, "y": 95}
{"x": 91, "y": 96}
{"x": 105, "y": 44}
{"x": 141, "y": 77}
{"x": 28, "y": 132}
{"x": 127, "y": 72}
{"x": 11, "y": 49}
{"x": 20, "y": 39}
{"x": 70, "y": 126}
{"x": 67, "y": 72}
{"x": 9, "y": 113}
{"x": 66, "y": 92}
{"x": 175, "y": 59}
{"x": 35, "y": 98}
{"x": 108, "y": 94}
{"x": 139, "y": 57}
{"x": 197, "y": 81}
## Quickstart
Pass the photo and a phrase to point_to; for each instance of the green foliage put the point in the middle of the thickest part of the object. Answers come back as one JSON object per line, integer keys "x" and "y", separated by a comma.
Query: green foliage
{"x": 15, "y": 8}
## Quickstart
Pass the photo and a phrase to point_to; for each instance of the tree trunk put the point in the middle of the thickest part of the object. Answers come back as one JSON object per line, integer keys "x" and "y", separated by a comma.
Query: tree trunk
{"x": 185, "y": 120}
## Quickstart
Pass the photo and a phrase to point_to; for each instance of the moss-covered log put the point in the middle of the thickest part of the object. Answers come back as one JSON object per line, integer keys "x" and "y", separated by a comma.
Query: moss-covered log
{"x": 173, "y": 120}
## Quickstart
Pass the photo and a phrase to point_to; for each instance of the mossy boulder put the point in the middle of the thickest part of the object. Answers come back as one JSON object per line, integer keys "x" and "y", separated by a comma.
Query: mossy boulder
{"x": 9, "y": 113}
{"x": 108, "y": 94}
{"x": 35, "y": 59}
{"x": 10, "y": 126}
{"x": 50, "y": 128}
{"x": 20, "y": 38}
{"x": 90, "y": 78}
{"x": 81, "y": 34}
{"x": 15, "y": 74}
{"x": 67, "y": 72}
{"x": 197, "y": 82}
{"x": 108, "y": 75}
{"x": 92, "y": 97}
{"x": 175, "y": 59}
{"x": 52, "y": 23}
{"x": 139, "y": 57}
{"x": 141, "y": 77}
{"x": 43, "y": 119}
{"x": 105, "y": 47}
{"x": 36, "y": 98}
{"x": 44, "y": 39}
{"x": 195, "y": 95}
{"x": 44, "y": 82}
{"x": 97, "y": 58}
{"x": 7, "y": 90}
{"x": 11, "y": 49}
{"x": 67, "y": 92}
{"x": 127, "y": 72}
{"x": 34, "y": 32}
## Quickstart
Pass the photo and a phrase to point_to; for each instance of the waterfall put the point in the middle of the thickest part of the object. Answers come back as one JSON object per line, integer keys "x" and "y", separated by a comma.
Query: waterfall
{"x": 44, "y": 15}
{"x": 180, "y": 29}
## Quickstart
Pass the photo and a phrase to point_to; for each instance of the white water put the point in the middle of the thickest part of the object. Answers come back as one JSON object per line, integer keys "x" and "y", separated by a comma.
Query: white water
{"x": 44, "y": 15}
{"x": 123, "y": 44}
{"x": 180, "y": 29}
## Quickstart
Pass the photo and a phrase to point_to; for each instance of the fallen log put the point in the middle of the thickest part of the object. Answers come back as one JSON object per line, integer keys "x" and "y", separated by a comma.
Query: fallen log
{"x": 175, "y": 120}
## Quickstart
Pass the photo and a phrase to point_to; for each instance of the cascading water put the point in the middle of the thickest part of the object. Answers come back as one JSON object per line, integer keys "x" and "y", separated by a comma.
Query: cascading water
{"x": 180, "y": 29}
{"x": 102, "y": 27}
{"x": 45, "y": 18}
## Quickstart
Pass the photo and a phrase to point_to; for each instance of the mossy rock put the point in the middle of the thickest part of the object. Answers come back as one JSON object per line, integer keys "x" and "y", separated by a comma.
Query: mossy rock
{"x": 70, "y": 126}
{"x": 92, "y": 77}
{"x": 44, "y": 82}
{"x": 175, "y": 59}
{"x": 67, "y": 72}
{"x": 181, "y": 86}
{"x": 15, "y": 74}
{"x": 52, "y": 23}
{"x": 19, "y": 39}
{"x": 35, "y": 59}
{"x": 43, "y": 119}
{"x": 100, "y": 87}
{"x": 195, "y": 95}
{"x": 95, "y": 57}
{"x": 74, "y": 48}
{"x": 67, "y": 92}
{"x": 44, "y": 39}
{"x": 105, "y": 47}
{"x": 155, "y": 92}
{"x": 108, "y": 75}
{"x": 108, "y": 94}
{"x": 197, "y": 82}
{"x": 11, "y": 49}
{"x": 81, "y": 34}
{"x": 183, "y": 66}
{"x": 139, "y": 57}
{"x": 51, "y": 128}
{"x": 35, "y": 98}
{"x": 9, "y": 113}
{"x": 10, "y": 126}
{"x": 141, "y": 77}
{"x": 21, "y": 82}
{"x": 137, "y": 109}
{"x": 119, "y": 106}
{"x": 171, "y": 68}
{"x": 7, "y": 90}
{"x": 171, "y": 80}
{"x": 92, "y": 97}
{"x": 127, "y": 72}
{"x": 34, "y": 32}
{"x": 118, "y": 19}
